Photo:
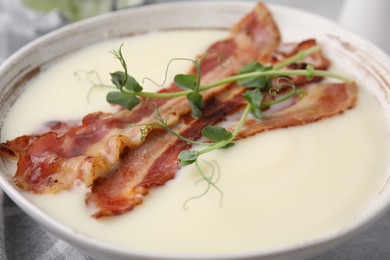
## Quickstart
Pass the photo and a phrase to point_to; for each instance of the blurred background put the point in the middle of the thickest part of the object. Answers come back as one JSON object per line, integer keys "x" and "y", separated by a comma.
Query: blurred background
{"x": 24, "y": 20}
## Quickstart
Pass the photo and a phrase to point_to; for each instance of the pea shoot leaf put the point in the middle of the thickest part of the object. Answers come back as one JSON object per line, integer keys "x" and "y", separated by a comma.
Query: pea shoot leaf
{"x": 187, "y": 157}
{"x": 216, "y": 133}
{"x": 228, "y": 145}
{"x": 185, "y": 82}
{"x": 196, "y": 101}
{"x": 255, "y": 82}
{"x": 118, "y": 78}
{"x": 254, "y": 98}
{"x": 119, "y": 98}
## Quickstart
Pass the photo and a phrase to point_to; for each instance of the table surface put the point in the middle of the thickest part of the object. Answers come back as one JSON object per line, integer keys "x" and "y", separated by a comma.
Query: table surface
{"x": 22, "y": 238}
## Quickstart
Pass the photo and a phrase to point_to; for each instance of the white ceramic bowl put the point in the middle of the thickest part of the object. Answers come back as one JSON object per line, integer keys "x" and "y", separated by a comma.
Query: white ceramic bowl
{"x": 371, "y": 64}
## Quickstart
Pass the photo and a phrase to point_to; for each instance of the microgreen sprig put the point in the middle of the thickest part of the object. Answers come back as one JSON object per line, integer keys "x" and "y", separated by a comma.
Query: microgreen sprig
{"x": 129, "y": 91}
{"x": 125, "y": 84}
{"x": 253, "y": 77}
{"x": 217, "y": 137}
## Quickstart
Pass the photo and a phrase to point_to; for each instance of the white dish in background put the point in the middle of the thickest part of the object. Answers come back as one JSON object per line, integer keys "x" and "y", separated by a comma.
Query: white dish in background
{"x": 354, "y": 55}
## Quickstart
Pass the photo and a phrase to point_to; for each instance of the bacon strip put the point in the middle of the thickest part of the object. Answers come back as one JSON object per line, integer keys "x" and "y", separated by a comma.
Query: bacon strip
{"x": 155, "y": 162}
{"x": 138, "y": 173}
{"x": 322, "y": 100}
{"x": 52, "y": 161}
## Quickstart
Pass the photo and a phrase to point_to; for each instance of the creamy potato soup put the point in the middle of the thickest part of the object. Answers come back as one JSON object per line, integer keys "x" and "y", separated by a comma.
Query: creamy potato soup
{"x": 279, "y": 188}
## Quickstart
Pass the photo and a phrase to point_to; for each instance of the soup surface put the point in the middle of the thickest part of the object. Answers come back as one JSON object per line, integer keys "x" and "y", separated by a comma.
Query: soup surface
{"x": 279, "y": 188}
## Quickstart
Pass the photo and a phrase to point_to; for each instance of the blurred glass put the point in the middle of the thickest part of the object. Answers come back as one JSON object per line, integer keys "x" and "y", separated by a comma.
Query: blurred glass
{"x": 369, "y": 18}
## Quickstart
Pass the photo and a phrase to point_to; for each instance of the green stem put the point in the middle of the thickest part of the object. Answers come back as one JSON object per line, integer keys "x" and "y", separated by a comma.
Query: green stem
{"x": 300, "y": 56}
{"x": 280, "y": 100}
{"x": 242, "y": 121}
{"x": 320, "y": 73}
{"x": 166, "y": 127}
{"x": 250, "y": 75}
{"x": 275, "y": 72}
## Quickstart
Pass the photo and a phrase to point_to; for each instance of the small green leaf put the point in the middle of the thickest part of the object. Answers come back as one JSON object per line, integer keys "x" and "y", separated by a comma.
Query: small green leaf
{"x": 122, "y": 99}
{"x": 187, "y": 157}
{"x": 252, "y": 67}
{"x": 216, "y": 133}
{"x": 255, "y": 82}
{"x": 196, "y": 101}
{"x": 133, "y": 85}
{"x": 185, "y": 82}
{"x": 119, "y": 79}
{"x": 254, "y": 98}
{"x": 228, "y": 145}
